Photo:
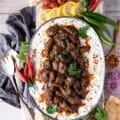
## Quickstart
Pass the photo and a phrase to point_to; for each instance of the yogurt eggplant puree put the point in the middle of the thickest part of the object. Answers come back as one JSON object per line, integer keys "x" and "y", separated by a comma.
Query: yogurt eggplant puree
{"x": 65, "y": 69}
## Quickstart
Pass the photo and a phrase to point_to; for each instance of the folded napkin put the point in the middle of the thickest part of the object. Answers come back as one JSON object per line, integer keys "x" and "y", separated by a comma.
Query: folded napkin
{"x": 19, "y": 27}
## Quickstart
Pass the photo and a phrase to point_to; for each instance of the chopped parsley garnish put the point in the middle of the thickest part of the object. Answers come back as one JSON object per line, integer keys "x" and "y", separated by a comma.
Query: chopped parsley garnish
{"x": 72, "y": 69}
{"x": 83, "y": 31}
{"x": 98, "y": 114}
{"x": 51, "y": 109}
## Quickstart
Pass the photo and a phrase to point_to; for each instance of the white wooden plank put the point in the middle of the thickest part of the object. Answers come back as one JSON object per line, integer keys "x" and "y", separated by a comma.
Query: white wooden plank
{"x": 3, "y": 18}
{"x": 112, "y": 5}
{"x": 12, "y": 6}
{"x": 8, "y": 112}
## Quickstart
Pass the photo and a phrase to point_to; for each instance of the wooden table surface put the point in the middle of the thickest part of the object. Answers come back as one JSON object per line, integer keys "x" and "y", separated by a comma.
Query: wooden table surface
{"x": 7, "y": 7}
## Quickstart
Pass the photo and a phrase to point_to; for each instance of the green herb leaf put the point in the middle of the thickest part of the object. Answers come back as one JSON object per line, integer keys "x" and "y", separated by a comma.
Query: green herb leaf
{"x": 21, "y": 56}
{"x": 23, "y": 50}
{"x": 51, "y": 109}
{"x": 72, "y": 69}
{"x": 100, "y": 114}
{"x": 83, "y": 31}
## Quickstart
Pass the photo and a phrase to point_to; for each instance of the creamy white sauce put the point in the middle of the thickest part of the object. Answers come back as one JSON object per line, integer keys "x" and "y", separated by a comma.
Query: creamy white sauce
{"x": 96, "y": 86}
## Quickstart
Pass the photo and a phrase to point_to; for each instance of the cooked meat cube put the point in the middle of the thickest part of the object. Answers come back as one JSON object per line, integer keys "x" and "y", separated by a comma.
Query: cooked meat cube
{"x": 48, "y": 94}
{"x": 74, "y": 39}
{"x": 55, "y": 65}
{"x": 52, "y": 30}
{"x": 75, "y": 54}
{"x": 56, "y": 49}
{"x": 47, "y": 64}
{"x": 71, "y": 30}
{"x": 77, "y": 86}
{"x": 75, "y": 107}
{"x": 47, "y": 47}
{"x": 70, "y": 47}
{"x": 62, "y": 67}
{"x": 83, "y": 93}
{"x": 84, "y": 82}
{"x": 69, "y": 81}
{"x": 44, "y": 76}
{"x": 52, "y": 76}
{"x": 66, "y": 92}
{"x": 61, "y": 43}
{"x": 58, "y": 93}
{"x": 65, "y": 107}
{"x": 74, "y": 100}
{"x": 84, "y": 49}
{"x": 56, "y": 100}
{"x": 60, "y": 79}
{"x": 48, "y": 44}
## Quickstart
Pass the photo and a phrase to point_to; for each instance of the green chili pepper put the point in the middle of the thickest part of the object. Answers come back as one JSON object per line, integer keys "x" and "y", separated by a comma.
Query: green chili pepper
{"x": 97, "y": 24}
{"x": 100, "y": 17}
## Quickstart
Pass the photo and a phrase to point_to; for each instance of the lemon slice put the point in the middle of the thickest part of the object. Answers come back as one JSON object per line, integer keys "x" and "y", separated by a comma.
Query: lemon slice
{"x": 43, "y": 15}
{"x": 53, "y": 13}
{"x": 66, "y": 9}
{"x": 75, "y": 8}
{"x": 59, "y": 12}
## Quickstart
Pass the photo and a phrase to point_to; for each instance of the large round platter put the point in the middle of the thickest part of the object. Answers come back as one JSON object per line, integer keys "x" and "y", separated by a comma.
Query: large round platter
{"x": 96, "y": 66}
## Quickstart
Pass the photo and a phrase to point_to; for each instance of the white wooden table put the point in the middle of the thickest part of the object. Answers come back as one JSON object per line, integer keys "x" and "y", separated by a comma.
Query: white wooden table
{"x": 7, "y": 112}
{"x": 7, "y": 7}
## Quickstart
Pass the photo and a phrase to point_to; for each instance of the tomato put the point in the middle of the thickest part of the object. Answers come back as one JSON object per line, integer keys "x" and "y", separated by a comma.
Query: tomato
{"x": 69, "y": 0}
{"x": 46, "y": 2}
{"x": 54, "y": 4}
{"x": 61, "y": 2}
{"x": 94, "y": 4}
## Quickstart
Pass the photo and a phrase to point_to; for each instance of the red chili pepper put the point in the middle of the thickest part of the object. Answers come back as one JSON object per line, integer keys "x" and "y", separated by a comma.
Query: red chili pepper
{"x": 94, "y": 4}
{"x": 26, "y": 70}
{"x": 20, "y": 75}
{"x": 30, "y": 68}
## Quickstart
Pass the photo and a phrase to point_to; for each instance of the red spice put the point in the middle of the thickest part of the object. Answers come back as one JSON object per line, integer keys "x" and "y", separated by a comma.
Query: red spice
{"x": 42, "y": 97}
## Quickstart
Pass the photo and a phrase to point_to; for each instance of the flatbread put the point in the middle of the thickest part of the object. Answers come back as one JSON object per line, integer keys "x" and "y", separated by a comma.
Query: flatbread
{"x": 113, "y": 108}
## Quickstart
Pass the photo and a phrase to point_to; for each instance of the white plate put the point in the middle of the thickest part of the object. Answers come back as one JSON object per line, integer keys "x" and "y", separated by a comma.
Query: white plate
{"x": 96, "y": 65}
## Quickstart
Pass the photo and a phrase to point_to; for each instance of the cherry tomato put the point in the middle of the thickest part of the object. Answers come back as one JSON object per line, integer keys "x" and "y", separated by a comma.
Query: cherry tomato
{"x": 69, "y": 0}
{"x": 46, "y": 2}
{"x": 61, "y": 2}
{"x": 47, "y": 6}
{"x": 54, "y": 4}
{"x": 94, "y": 4}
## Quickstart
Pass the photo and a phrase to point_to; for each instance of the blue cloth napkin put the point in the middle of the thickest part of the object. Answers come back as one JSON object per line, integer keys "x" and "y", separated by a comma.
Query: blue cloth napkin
{"x": 19, "y": 26}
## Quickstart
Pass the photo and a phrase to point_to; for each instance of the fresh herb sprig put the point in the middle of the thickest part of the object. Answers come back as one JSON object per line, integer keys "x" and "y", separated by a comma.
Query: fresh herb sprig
{"x": 51, "y": 109}
{"x": 24, "y": 45}
{"x": 72, "y": 69}
{"x": 83, "y": 31}
{"x": 98, "y": 114}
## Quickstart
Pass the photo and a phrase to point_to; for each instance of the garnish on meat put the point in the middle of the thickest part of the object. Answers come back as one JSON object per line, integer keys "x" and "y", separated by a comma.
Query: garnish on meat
{"x": 65, "y": 71}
